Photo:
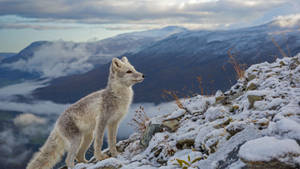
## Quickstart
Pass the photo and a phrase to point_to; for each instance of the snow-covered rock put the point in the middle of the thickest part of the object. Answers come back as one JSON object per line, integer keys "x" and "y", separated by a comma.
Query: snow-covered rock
{"x": 248, "y": 126}
{"x": 110, "y": 163}
{"x": 270, "y": 152}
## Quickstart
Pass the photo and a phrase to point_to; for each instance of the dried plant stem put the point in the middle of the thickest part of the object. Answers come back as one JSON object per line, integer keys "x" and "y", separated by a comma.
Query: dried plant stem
{"x": 279, "y": 48}
{"x": 239, "y": 69}
{"x": 140, "y": 119}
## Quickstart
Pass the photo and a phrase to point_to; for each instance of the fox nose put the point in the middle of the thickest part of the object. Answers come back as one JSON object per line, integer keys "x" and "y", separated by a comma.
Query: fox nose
{"x": 143, "y": 76}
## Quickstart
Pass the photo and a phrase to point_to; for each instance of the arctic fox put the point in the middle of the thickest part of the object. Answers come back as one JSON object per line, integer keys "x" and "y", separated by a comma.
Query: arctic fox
{"x": 87, "y": 119}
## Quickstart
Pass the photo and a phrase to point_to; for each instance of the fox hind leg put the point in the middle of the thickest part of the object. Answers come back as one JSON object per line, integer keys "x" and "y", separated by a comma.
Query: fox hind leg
{"x": 85, "y": 144}
{"x": 72, "y": 150}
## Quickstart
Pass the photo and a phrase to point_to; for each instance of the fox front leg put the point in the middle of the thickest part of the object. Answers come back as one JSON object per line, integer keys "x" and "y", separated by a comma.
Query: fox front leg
{"x": 112, "y": 137}
{"x": 99, "y": 133}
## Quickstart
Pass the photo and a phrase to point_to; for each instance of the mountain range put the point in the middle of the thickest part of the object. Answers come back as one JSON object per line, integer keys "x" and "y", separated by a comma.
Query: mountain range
{"x": 172, "y": 58}
{"x": 187, "y": 62}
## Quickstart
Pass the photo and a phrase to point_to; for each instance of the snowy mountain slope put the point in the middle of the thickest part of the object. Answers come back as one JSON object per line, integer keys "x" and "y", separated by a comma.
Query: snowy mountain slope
{"x": 174, "y": 62}
{"x": 255, "y": 124}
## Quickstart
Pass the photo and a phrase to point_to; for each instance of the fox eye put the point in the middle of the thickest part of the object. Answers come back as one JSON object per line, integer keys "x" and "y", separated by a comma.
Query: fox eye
{"x": 129, "y": 71}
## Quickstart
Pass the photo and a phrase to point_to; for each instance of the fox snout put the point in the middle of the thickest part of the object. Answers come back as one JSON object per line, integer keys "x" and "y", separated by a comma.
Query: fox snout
{"x": 140, "y": 77}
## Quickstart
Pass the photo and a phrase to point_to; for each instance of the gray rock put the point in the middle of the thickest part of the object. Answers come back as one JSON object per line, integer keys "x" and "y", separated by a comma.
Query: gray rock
{"x": 108, "y": 167}
{"x": 122, "y": 145}
{"x": 149, "y": 132}
{"x": 253, "y": 98}
{"x": 185, "y": 144}
{"x": 273, "y": 164}
{"x": 235, "y": 127}
{"x": 224, "y": 100}
{"x": 293, "y": 66}
{"x": 250, "y": 77}
{"x": 231, "y": 158}
{"x": 282, "y": 63}
{"x": 234, "y": 108}
{"x": 219, "y": 99}
{"x": 252, "y": 86}
{"x": 223, "y": 123}
{"x": 172, "y": 124}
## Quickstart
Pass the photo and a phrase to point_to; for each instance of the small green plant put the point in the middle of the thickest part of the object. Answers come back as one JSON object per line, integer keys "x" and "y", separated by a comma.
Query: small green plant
{"x": 185, "y": 164}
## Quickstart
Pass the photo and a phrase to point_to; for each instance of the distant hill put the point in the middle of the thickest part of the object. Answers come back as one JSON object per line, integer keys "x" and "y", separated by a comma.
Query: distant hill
{"x": 6, "y": 55}
{"x": 10, "y": 76}
{"x": 27, "y": 52}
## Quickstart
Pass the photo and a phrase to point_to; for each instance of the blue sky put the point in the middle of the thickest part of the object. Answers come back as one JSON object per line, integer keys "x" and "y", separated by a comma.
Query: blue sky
{"x": 25, "y": 21}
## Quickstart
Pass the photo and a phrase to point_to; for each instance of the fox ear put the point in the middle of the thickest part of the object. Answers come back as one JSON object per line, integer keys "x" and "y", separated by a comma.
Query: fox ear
{"x": 124, "y": 59}
{"x": 116, "y": 64}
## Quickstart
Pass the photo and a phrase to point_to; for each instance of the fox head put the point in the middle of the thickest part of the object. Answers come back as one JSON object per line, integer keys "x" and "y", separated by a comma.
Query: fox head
{"x": 123, "y": 73}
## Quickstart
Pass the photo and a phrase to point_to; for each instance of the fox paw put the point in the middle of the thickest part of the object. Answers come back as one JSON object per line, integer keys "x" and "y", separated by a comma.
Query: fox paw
{"x": 100, "y": 157}
{"x": 114, "y": 153}
{"x": 82, "y": 161}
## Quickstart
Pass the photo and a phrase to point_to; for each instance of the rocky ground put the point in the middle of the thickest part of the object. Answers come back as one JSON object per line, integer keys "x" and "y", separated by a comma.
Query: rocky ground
{"x": 254, "y": 125}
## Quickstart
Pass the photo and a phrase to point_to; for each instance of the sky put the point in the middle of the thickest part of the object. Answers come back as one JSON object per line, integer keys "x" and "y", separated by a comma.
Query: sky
{"x": 25, "y": 21}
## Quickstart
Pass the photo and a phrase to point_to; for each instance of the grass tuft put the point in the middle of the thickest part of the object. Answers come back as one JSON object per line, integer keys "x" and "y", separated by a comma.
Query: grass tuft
{"x": 177, "y": 100}
{"x": 140, "y": 120}
{"x": 239, "y": 68}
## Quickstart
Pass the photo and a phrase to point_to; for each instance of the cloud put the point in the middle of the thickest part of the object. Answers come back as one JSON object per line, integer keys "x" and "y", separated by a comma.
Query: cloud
{"x": 17, "y": 142}
{"x": 13, "y": 154}
{"x": 28, "y": 119}
{"x": 24, "y": 89}
{"x": 288, "y": 21}
{"x": 8, "y": 101}
{"x": 17, "y": 136}
{"x": 33, "y": 26}
{"x": 57, "y": 59}
{"x": 37, "y": 107}
{"x": 208, "y": 14}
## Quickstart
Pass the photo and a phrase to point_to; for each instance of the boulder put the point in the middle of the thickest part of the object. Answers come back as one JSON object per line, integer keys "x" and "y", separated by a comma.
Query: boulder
{"x": 149, "y": 132}
{"x": 172, "y": 124}
{"x": 270, "y": 153}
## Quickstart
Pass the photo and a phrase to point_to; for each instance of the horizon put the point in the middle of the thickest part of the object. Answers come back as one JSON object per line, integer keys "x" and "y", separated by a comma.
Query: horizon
{"x": 23, "y": 22}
